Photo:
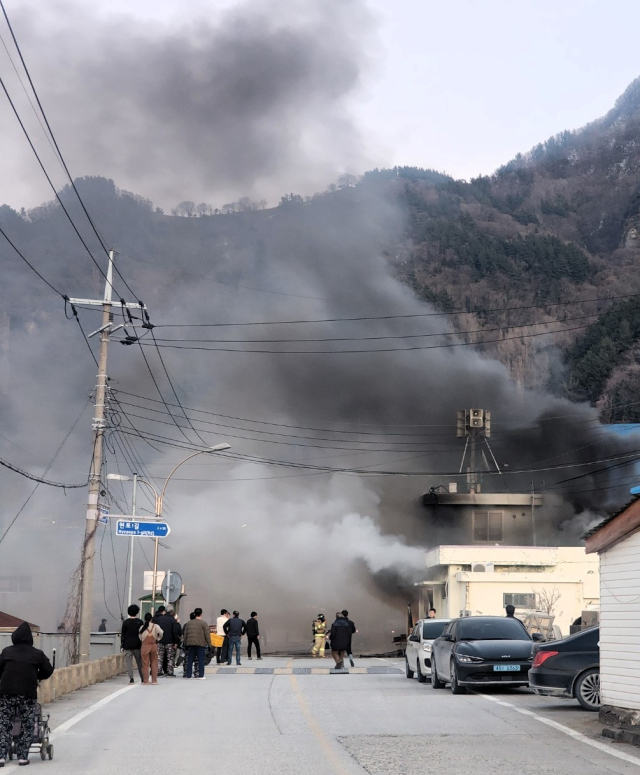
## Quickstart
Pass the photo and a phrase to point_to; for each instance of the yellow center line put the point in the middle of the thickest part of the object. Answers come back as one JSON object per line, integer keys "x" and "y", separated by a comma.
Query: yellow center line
{"x": 324, "y": 742}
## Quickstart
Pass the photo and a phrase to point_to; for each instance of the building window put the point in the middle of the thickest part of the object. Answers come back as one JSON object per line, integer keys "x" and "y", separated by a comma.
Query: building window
{"x": 519, "y": 600}
{"x": 487, "y": 526}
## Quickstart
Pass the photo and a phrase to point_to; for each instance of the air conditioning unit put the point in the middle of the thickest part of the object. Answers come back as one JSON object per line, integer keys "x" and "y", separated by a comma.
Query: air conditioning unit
{"x": 482, "y": 567}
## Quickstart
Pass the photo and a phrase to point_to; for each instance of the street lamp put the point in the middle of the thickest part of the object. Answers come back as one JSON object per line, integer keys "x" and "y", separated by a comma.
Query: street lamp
{"x": 160, "y": 502}
{"x": 135, "y": 479}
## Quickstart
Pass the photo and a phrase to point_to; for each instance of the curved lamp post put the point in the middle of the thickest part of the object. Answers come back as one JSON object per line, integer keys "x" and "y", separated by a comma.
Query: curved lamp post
{"x": 160, "y": 502}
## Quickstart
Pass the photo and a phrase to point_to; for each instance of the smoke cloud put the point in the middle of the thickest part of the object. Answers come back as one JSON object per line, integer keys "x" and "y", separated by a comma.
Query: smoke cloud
{"x": 251, "y": 100}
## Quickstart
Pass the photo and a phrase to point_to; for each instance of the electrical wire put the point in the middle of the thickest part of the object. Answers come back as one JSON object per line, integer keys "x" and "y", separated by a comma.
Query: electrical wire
{"x": 59, "y": 154}
{"x": 40, "y": 480}
{"x": 454, "y": 474}
{"x": 31, "y": 266}
{"x": 378, "y": 350}
{"x": 476, "y": 311}
{"x": 380, "y": 338}
{"x": 47, "y": 469}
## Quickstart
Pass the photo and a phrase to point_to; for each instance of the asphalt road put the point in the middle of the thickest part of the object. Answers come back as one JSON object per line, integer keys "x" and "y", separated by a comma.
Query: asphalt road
{"x": 322, "y": 724}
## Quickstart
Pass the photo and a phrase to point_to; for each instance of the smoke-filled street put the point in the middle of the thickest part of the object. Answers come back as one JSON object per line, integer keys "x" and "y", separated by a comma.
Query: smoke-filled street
{"x": 290, "y": 722}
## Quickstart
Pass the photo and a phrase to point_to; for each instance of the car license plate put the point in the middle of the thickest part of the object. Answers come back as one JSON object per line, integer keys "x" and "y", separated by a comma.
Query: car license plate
{"x": 506, "y": 668}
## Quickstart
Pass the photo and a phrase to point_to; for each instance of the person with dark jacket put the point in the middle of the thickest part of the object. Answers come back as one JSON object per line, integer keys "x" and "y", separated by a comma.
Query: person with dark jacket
{"x": 168, "y": 646}
{"x": 340, "y": 639}
{"x": 234, "y": 628}
{"x": 197, "y": 639}
{"x": 253, "y": 635}
{"x": 352, "y": 627}
{"x": 21, "y": 667}
{"x": 130, "y": 641}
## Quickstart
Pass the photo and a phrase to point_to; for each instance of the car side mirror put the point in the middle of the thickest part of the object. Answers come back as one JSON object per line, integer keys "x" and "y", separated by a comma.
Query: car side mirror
{"x": 414, "y": 638}
{"x": 537, "y": 637}
{"x": 447, "y": 636}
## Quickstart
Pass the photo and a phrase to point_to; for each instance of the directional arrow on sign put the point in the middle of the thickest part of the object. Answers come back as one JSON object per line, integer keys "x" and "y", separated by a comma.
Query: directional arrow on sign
{"x": 126, "y": 527}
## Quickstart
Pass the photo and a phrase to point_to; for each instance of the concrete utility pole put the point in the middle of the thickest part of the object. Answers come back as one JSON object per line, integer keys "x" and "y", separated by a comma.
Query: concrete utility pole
{"x": 99, "y": 424}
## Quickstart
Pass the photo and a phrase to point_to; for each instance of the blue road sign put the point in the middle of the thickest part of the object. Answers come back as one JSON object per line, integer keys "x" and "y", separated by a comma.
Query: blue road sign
{"x": 130, "y": 527}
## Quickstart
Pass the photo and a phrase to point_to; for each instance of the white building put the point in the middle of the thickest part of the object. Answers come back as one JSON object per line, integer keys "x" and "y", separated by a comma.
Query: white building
{"x": 617, "y": 542}
{"x": 476, "y": 580}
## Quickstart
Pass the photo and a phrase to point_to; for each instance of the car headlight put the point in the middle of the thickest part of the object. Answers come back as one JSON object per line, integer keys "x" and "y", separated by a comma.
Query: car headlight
{"x": 466, "y": 658}
{"x": 426, "y": 647}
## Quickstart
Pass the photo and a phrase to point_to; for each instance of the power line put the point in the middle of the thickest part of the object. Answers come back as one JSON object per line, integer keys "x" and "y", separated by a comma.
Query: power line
{"x": 430, "y": 434}
{"x": 475, "y": 311}
{"x": 53, "y": 188}
{"x": 59, "y": 152}
{"x": 40, "y": 480}
{"x": 387, "y": 336}
{"x": 378, "y": 350}
{"x": 30, "y": 265}
{"x": 358, "y": 470}
{"x": 47, "y": 469}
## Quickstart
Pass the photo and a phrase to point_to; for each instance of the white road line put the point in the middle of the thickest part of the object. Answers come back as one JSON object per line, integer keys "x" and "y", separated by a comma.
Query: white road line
{"x": 566, "y": 730}
{"x": 87, "y": 712}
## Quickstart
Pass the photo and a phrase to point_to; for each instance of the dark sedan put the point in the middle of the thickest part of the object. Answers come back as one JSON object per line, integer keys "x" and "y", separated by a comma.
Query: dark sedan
{"x": 481, "y": 651}
{"x": 569, "y": 668}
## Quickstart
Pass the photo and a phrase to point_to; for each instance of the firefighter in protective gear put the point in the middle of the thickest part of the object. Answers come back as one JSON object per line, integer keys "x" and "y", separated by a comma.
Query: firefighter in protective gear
{"x": 319, "y": 636}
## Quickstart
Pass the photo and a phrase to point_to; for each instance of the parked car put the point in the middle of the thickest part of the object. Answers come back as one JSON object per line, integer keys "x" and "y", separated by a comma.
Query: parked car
{"x": 481, "y": 651}
{"x": 569, "y": 668}
{"x": 418, "y": 653}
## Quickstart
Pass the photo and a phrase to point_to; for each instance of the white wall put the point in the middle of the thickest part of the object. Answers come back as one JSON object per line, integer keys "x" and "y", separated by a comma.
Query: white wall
{"x": 620, "y": 624}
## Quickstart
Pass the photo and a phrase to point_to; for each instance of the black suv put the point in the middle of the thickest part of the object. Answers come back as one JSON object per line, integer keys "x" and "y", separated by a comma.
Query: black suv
{"x": 481, "y": 651}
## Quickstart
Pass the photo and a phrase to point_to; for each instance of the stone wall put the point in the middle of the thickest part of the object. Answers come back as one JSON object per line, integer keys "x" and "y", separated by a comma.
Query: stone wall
{"x": 69, "y": 679}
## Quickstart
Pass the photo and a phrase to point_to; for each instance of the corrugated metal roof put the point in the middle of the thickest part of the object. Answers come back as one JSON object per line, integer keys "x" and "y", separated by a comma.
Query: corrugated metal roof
{"x": 606, "y": 521}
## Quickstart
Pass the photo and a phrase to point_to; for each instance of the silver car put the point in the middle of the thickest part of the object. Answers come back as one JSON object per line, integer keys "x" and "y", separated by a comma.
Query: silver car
{"x": 418, "y": 653}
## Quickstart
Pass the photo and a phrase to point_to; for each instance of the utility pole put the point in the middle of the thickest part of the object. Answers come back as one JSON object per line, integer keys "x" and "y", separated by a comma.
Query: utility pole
{"x": 132, "y": 539}
{"x": 99, "y": 424}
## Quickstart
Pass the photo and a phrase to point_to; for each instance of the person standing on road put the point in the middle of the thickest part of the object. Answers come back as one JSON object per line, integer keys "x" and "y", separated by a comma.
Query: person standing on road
{"x": 167, "y": 647}
{"x": 253, "y": 635}
{"x": 222, "y": 651}
{"x": 431, "y": 614}
{"x": 340, "y": 640}
{"x": 319, "y": 635}
{"x": 103, "y": 626}
{"x": 21, "y": 667}
{"x": 197, "y": 639}
{"x": 510, "y": 611}
{"x": 149, "y": 634}
{"x": 235, "y": 628}
{"x": 130, "y": 641}
{"x": 352, "y": 627}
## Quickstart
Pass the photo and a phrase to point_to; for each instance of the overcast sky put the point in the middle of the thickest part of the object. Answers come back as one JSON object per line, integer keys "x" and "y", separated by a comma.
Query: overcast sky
{"x": 460, "y": 86}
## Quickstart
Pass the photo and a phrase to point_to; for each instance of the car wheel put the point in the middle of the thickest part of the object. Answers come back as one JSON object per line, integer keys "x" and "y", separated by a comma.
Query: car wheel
{"x": 422, "y": 678}
{"x": 436, "y": 683}
{"x": 587, "y": 690}
{"x": 455, "y": 686}
{"x": 408, "y": 670}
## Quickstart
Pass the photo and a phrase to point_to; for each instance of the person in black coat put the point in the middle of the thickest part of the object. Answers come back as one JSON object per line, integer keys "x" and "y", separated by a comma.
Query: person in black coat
{"x": 168, "y": 646}
{"x": 21, "y": 667}
{"x": 130, "y": 640}
{"x": 253, "y": 635}
{"x": 340, "y": 639}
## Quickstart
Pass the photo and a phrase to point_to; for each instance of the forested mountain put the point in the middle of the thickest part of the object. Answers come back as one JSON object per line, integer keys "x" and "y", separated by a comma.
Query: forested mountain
{"x": 540, "y": 242}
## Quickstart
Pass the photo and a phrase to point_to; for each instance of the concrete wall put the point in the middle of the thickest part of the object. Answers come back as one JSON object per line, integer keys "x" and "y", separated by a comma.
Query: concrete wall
{"x": 74, "y": 677}
{"x": 103, "y": 644}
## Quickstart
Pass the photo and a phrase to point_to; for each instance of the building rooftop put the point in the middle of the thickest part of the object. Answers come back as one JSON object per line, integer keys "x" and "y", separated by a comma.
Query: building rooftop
{"x": 9, "y": 622}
